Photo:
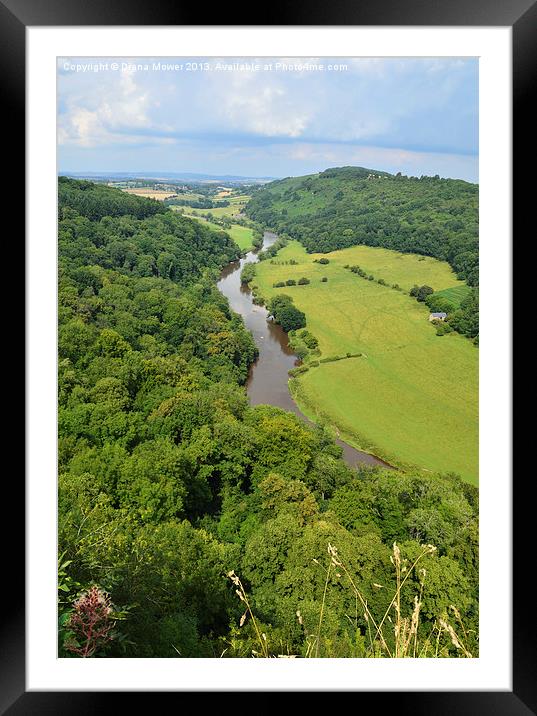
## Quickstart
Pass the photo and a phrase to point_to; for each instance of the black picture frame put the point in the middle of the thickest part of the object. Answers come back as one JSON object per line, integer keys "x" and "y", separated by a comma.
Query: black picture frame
{"x": 521, "y": 16}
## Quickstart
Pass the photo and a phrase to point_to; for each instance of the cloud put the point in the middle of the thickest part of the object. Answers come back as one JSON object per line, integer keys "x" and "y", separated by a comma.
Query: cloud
{"x": 425, "y": 106}
{"x": 113, "y": 110}
{"x": 268, "y": 110}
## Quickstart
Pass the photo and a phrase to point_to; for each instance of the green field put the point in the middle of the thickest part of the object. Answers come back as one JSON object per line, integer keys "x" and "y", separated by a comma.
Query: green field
{"x": 241, "y": 235}
{"x": 239, "y": 199}
{"x": 413, "y": 396}
{"x": 236, "y": 204}
{"x": 395, "y": 267}
{"x": 456, "y": 294}
{"x": 190, "y": 196}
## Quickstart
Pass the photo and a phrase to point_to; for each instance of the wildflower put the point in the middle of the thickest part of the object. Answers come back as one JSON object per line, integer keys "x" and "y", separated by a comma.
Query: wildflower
{"x": 90, "y": 622}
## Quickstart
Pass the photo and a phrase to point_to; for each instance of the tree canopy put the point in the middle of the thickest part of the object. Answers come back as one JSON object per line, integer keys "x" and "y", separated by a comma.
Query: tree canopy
{"x": 169, "y": 482}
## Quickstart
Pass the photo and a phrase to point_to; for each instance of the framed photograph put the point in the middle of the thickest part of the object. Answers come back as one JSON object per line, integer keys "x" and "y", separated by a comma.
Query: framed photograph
{"x": 269, "y": 432}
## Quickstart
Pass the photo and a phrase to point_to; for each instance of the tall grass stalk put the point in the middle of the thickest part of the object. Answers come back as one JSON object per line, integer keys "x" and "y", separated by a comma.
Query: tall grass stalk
{"x": 407, "y": 642}
{"x": 241, "y": 593}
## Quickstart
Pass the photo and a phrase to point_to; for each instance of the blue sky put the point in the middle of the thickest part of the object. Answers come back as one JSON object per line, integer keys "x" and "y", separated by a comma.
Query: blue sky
{"x": 268, "y": 116}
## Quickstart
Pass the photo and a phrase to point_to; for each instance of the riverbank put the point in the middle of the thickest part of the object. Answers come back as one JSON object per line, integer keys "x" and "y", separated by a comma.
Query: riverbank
{"x": 268, "y": 381}
{"x": 412, "y": 396}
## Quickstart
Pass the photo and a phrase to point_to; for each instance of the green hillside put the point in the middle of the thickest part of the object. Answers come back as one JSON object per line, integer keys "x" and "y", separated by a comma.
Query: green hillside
{"x": 348, "y": 206}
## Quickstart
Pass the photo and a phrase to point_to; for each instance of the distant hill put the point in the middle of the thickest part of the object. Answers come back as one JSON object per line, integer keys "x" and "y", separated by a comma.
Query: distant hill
{"x": 347, "y": 206}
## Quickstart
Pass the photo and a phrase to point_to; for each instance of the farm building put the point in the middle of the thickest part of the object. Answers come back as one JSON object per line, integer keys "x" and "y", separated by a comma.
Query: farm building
{"x": 437, "y": 316}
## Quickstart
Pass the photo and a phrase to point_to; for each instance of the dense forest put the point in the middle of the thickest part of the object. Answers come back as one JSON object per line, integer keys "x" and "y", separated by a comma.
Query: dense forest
{"x": 193, "y": 525}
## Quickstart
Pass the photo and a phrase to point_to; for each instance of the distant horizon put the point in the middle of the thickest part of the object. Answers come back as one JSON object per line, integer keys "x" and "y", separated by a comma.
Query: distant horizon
{"x": 292, "y": 117}
{"x": 177, "y": 175}
{"x": 155, "y": 173}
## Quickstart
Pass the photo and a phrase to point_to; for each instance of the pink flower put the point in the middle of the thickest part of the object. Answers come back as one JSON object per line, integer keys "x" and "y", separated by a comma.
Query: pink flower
{"x": 90, "y": 622}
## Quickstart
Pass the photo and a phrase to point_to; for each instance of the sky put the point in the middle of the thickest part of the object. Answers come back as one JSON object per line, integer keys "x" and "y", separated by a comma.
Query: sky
{"x": 268, "y": 117}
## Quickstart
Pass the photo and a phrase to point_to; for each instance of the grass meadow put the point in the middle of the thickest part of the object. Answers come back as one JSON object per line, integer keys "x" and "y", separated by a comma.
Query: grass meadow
{"x": 395, "y": 267}
{"x": 241, "y": 235}
{"x": 412, "y": 397}
{"x": 236, "y": 204}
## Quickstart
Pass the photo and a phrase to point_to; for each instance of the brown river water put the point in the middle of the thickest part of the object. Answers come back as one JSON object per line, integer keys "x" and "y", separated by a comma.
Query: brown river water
{"x": 267, "y": 382}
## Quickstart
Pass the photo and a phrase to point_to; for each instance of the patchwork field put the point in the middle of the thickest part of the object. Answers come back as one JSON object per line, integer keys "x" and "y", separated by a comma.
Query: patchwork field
{"x": 151, "y": 193}
{"x": 412, "y": 397}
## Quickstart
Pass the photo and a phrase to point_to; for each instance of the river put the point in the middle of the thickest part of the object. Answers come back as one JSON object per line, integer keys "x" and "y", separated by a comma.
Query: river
{"x": 267, "y": 382}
